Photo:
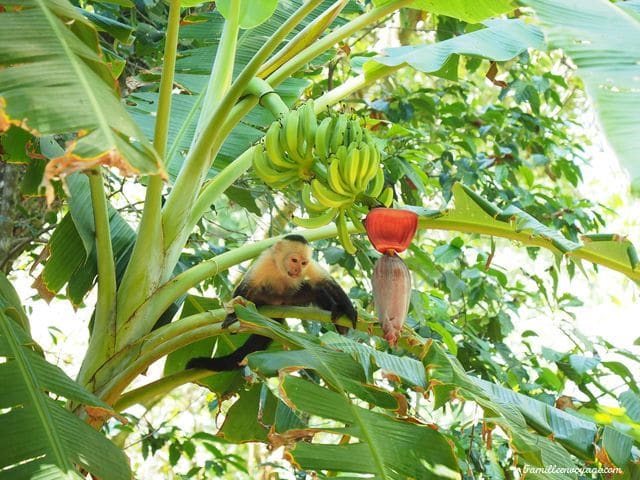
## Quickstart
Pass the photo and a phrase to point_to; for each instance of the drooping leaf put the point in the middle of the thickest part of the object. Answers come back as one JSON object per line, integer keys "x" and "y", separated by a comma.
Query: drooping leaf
{"x": 10, "y": 303}
{"x": 501, "y": 40}
{"x": 471, "y": 12}
{"x": 40, "y": 438}
{"x": 72, "y": 256}
{"x": 248, "y": 419}
{"x": 617, "y": 445}
{"x": 387, "y": 447}
{"x": 252, "y": 13}
{"x": 473, "y": 214}
{"x": 56, "y": 82}
{"x": 602, "y": 41}
{"x": 533, "y": 449}
{"x": 120, "y": 31}
{"x": 631, "y": 402}
{"x": 574, "y": 433}
{"x": 408, "y": 369}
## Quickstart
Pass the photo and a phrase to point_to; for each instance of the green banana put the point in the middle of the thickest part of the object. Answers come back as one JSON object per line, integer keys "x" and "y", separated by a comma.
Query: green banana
{"x": 309, "y": 125}
{"x": 309, "y": 204}
{"x": 355, "y": 219}
{"x": 353, "y": 168}
{"x": 374, "y": 164}
{"x": 339, "y": 130}
{"x": 365, "y": 170}
{"x": 328, "y": 197}
{"x": 317, "y": 221}
{"x": 272, "y": 145}
{"x": 375, "y": 187}
{"x": 356, "y": 131}
{"x": 348, "y": 134}
{"x": 386, "y": 197}
{"x": 343, "y": 233}
{"x": 323, "y": 137}
{"x": 342, "y": 152}
{"x": 335, "y": 180}
{"x": 292, "y": 136}
{"x": 272, "y": 177}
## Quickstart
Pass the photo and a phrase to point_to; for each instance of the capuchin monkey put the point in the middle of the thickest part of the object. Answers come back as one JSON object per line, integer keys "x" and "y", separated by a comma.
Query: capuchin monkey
{"x": 284, "y": 274}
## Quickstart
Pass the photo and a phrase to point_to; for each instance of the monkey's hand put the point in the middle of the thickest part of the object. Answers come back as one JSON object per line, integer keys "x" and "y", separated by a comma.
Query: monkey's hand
{"x": 347, "y": 310}
{"x": 229, "y": 307}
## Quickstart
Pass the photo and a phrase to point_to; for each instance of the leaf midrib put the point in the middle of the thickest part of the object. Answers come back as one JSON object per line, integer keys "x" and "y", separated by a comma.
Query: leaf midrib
{"x": 36, "y": 395}
{"x": 103, "y": 124}
{"x": 377, "y": 456}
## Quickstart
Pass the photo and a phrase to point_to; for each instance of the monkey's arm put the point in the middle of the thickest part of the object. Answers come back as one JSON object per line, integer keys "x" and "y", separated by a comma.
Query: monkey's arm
{"x": 242, "y": 290}
{"x": 323, "y": 291}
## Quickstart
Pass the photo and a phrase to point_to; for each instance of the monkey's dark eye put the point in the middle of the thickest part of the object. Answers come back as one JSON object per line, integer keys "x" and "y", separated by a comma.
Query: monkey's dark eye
{"x": 304, "y": 263}
{"x": 294, "y": 260}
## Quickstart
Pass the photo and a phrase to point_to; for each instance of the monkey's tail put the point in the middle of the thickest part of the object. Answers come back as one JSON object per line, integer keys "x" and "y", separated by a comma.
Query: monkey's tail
{"x": 229, "y": 362}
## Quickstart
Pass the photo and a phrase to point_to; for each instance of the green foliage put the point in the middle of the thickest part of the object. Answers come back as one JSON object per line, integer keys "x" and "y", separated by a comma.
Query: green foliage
{"x": 40, "y": 436}
{"x": 483, "y": 160}
{"x": 78, "y": 83}
{"x": 609, "y": 69}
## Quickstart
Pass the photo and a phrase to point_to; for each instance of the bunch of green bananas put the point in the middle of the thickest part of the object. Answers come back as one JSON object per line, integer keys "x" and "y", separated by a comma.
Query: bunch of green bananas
{"x": 338, "y": 131}
{"x": 337, "y": 160}
{"x": 353, "y": 174}
{"x": 287, "y": 152}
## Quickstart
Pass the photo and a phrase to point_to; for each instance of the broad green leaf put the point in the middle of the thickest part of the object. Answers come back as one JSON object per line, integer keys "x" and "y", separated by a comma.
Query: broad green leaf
{"x": 617, "y": 445}
{"x": 385, "y": 447}
{"x": 249, "y": 417}
{"x": 602, "y": 40}
{"x": 500, "y": 408}
{"x": 388, "y": 447}
{"x": 582, "y": 364}
{"x": 40, "y": 438}
{"x": 631, "y": 6}
{"x": 471, "y": 12}
{"x": 72, "y": 256}
{"x": 252, "y": 13}
{"x": 631, "y": 403}
{"x": 337, "y": 368}
{"x": 408, "y": 369}
{"x": 66, "y": 255}
{"x": 501, "y": 40}
{"x": 123, "y": 33}
{"x": 574, "y": 433}
{"x": 11, "y": 304}
{"x": 56, "y": 82}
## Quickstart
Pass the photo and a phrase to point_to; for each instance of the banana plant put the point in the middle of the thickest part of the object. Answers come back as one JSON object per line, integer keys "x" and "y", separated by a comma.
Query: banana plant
{"x": 58, "y": 86}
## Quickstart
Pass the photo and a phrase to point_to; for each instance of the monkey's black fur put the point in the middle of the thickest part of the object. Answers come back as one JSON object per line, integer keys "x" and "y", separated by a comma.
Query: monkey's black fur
{"x": 324, "y": 293}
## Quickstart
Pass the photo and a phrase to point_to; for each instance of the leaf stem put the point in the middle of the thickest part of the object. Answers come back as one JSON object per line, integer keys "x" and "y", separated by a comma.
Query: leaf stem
{"x": 222, "y": 69}
{"x": 217, "y": 185}
{"x": 267, "y": 97}
{"x": 155, "y": 390}
{"x": 103, "y": 336}
{"x": 352, "y": 85}
{"x": 180, "y": 200}
{"x": 317, "y": 48}
{"x": 303, "y": 38}
{"x": 141, "y": 276}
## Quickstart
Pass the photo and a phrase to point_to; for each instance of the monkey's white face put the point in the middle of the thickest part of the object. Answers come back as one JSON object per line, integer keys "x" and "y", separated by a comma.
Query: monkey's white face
{"x": 295, "y": 265}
